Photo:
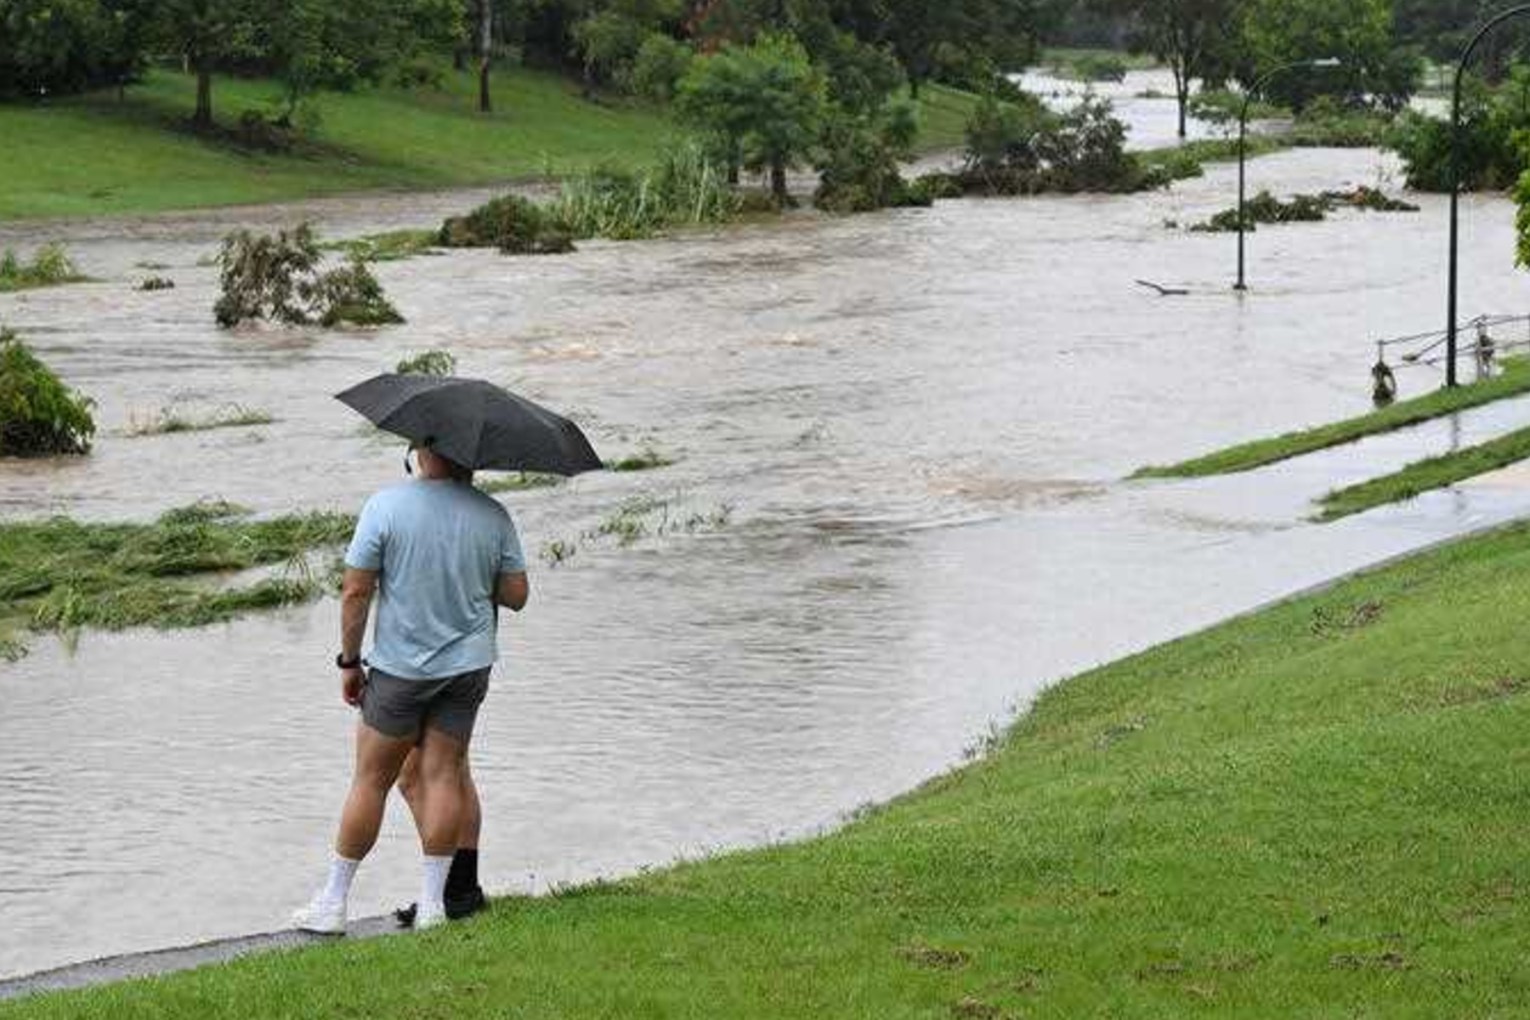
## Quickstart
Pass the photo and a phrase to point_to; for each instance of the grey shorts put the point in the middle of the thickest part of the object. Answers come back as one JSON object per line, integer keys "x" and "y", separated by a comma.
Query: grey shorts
{"x": 402, "y": 709}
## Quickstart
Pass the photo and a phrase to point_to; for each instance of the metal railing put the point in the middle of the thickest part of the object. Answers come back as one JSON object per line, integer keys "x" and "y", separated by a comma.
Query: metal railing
{"x": 1491, "y": 337}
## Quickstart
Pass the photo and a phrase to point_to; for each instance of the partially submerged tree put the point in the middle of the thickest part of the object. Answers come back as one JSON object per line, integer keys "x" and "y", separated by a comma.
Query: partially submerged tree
{"x": 39, "y": 415}
{"x": 761, "y": 106}
{"x": 277, "y": 278}
{"x": 1192, "y": 37}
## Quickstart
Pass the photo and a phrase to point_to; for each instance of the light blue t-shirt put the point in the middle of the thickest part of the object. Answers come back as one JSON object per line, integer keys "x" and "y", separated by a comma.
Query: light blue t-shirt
{"x": 439, "y": 548}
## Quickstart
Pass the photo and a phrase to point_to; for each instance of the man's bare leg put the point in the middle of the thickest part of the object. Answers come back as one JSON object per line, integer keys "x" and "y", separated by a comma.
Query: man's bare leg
{"x": 378, "y": 761}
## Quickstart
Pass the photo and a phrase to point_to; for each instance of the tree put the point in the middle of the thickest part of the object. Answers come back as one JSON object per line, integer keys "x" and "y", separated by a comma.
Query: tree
{"x": 1191, "y": 36}
{"x": 59, "y": 46}
{"x": 1358, "y": 33}
{"x": 762, "y": 105}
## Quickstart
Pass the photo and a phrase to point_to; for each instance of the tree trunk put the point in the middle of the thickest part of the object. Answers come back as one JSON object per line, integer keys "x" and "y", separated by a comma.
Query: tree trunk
{"x": 1182, "y": 94}
{"x": 778, "y": 183}
{"x": 203, "y": 118}
{"x": 485, "y": 53}
{"x": 459, "y": 59}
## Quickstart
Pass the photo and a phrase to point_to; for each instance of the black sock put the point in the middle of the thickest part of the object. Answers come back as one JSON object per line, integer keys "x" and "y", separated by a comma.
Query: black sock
{"x": 463, "y": 877}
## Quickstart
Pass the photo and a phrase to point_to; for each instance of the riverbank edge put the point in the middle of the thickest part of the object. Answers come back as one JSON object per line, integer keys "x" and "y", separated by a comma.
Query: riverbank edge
{"x": 142, "y": 965}
{"x": 1258, "y": 453}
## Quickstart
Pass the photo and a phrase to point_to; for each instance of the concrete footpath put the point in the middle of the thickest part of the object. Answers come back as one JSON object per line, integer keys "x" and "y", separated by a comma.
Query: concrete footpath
{"x": 169, "y": 961}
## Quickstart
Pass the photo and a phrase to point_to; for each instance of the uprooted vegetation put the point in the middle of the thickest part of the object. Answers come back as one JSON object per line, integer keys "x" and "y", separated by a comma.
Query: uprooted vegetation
{"x": 60, "y": 575}
{"x": 172, "y": 420}
{"x": 277, "y": 278}
{"x": 50, "y": 267}
{"x": 1266, "y": 208}
{"x": 438, "y": 363}
{"x": 514, "y": 225}
{"x": 39, "y": 415}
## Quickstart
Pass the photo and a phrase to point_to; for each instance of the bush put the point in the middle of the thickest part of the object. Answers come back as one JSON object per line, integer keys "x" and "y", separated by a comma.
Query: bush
{"x": 276, "y": 278}
{"x": 1327, "y": 123}
{"x": 351, "y": 295}
{"x": 39, "y": 415}
{"x": 262, "y": 276}
{"x": 430, "y": 363}
{"x": 514, "y": 225}
{"x": 49, "y": 267}
{"x": 1491, "y": 158}
{"x": 1018, "y": 151}
{"x": 859, "y": 170}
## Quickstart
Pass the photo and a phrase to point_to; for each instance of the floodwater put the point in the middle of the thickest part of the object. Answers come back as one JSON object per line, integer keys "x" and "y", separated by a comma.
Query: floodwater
{"x": 917, "y": 422}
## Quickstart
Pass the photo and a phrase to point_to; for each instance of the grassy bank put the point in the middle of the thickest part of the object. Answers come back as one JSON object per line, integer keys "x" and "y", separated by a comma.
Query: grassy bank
{"x": 1514, "y": 380}
{"x": 1426, "y": 476}
{"x": 94, "y": 155}
{"x": 1318, "y": 811}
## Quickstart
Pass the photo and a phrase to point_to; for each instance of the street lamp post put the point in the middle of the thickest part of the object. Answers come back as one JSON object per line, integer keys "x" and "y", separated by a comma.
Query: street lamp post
{"x": 1455, "y": 186}
{"x": 1243, "y": 147}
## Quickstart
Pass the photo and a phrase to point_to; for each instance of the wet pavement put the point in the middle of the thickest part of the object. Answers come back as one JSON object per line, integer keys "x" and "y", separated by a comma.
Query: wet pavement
{"x": 897, "y": 514}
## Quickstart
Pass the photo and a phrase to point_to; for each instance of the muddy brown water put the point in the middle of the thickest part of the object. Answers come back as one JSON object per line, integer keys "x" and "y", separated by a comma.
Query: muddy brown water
{"x": 917, "y": 422}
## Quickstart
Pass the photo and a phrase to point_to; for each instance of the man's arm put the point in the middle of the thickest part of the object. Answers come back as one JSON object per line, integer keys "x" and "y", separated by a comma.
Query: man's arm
{"x": 512, "y": 591}
{"x": 355, "y": 605}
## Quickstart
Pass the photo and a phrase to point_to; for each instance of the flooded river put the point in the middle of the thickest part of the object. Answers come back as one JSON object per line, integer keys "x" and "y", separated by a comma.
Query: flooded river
{"x": 895, "y": 516}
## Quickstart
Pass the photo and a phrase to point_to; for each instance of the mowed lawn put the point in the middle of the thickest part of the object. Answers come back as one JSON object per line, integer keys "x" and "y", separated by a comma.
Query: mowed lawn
{"x": 1322, "y": 810}
{"x": 97, "y": 155}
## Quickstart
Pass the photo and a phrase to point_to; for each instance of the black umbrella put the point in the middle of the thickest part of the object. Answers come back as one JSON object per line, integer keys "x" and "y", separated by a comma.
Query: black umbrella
{"x": 474, "y": 423}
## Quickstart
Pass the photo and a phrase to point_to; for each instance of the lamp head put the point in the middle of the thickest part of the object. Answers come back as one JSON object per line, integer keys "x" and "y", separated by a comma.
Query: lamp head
{"x": 1328, "y": 62}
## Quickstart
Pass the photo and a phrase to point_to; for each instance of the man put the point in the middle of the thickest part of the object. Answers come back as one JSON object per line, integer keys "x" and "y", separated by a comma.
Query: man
{"x": 440, "y": 557}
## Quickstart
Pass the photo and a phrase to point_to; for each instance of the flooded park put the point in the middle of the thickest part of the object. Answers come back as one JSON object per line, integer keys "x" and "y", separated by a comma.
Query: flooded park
{"x": 898, "y": 509}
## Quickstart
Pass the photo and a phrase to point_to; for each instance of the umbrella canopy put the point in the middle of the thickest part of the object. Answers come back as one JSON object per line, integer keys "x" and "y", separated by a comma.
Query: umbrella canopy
{"x": 474, "y": 423}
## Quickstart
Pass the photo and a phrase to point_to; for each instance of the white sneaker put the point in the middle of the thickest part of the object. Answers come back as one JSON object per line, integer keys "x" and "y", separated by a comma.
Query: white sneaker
{"x": 321, "y": 917}
{"x": 429, "y": 916}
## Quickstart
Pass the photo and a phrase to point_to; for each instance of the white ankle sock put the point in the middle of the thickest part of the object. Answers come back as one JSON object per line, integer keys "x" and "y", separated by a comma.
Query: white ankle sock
{"x": 433, "y": 891}
{"x": 341, "y": 871}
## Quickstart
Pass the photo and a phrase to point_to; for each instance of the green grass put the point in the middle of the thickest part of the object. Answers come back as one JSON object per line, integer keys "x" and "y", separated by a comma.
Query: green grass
{"x": 943, "y": 116}
{"x": 169, "y": 421}
{"x": 60, "y": 574}
{"x": 391, "y": 246}
{"x": 1426, "y": 476}
{"x": 1317, "y": 811}
{"x": 648, "y": 460}
{"x": 94, "y": 155}
{"x": 1514, "y": 381}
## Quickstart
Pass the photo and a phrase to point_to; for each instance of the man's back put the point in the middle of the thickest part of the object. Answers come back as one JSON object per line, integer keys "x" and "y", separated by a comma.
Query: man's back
{"x": 439, "y": 548}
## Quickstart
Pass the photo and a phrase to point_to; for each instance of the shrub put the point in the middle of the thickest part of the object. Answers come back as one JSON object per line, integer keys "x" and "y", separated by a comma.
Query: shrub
{"x": 50, "y": 266}
{"x": 39, "y": 415}
{"x": 859, "y": 170}
{"x": 262, "y": 276}
{"x": 1015, "y": 151}
{"x": 514, "y": 225}
{"x": 157, "y": 283}
{"x": 352, "y": 295}
{"x": 1491, "y": 157}
{"x": 277, "y": 278}
{"x": 430, "y": 363}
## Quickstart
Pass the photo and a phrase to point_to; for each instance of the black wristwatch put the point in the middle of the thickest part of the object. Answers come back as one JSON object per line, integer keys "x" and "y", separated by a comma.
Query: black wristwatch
{"x": 355, "y": 663}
